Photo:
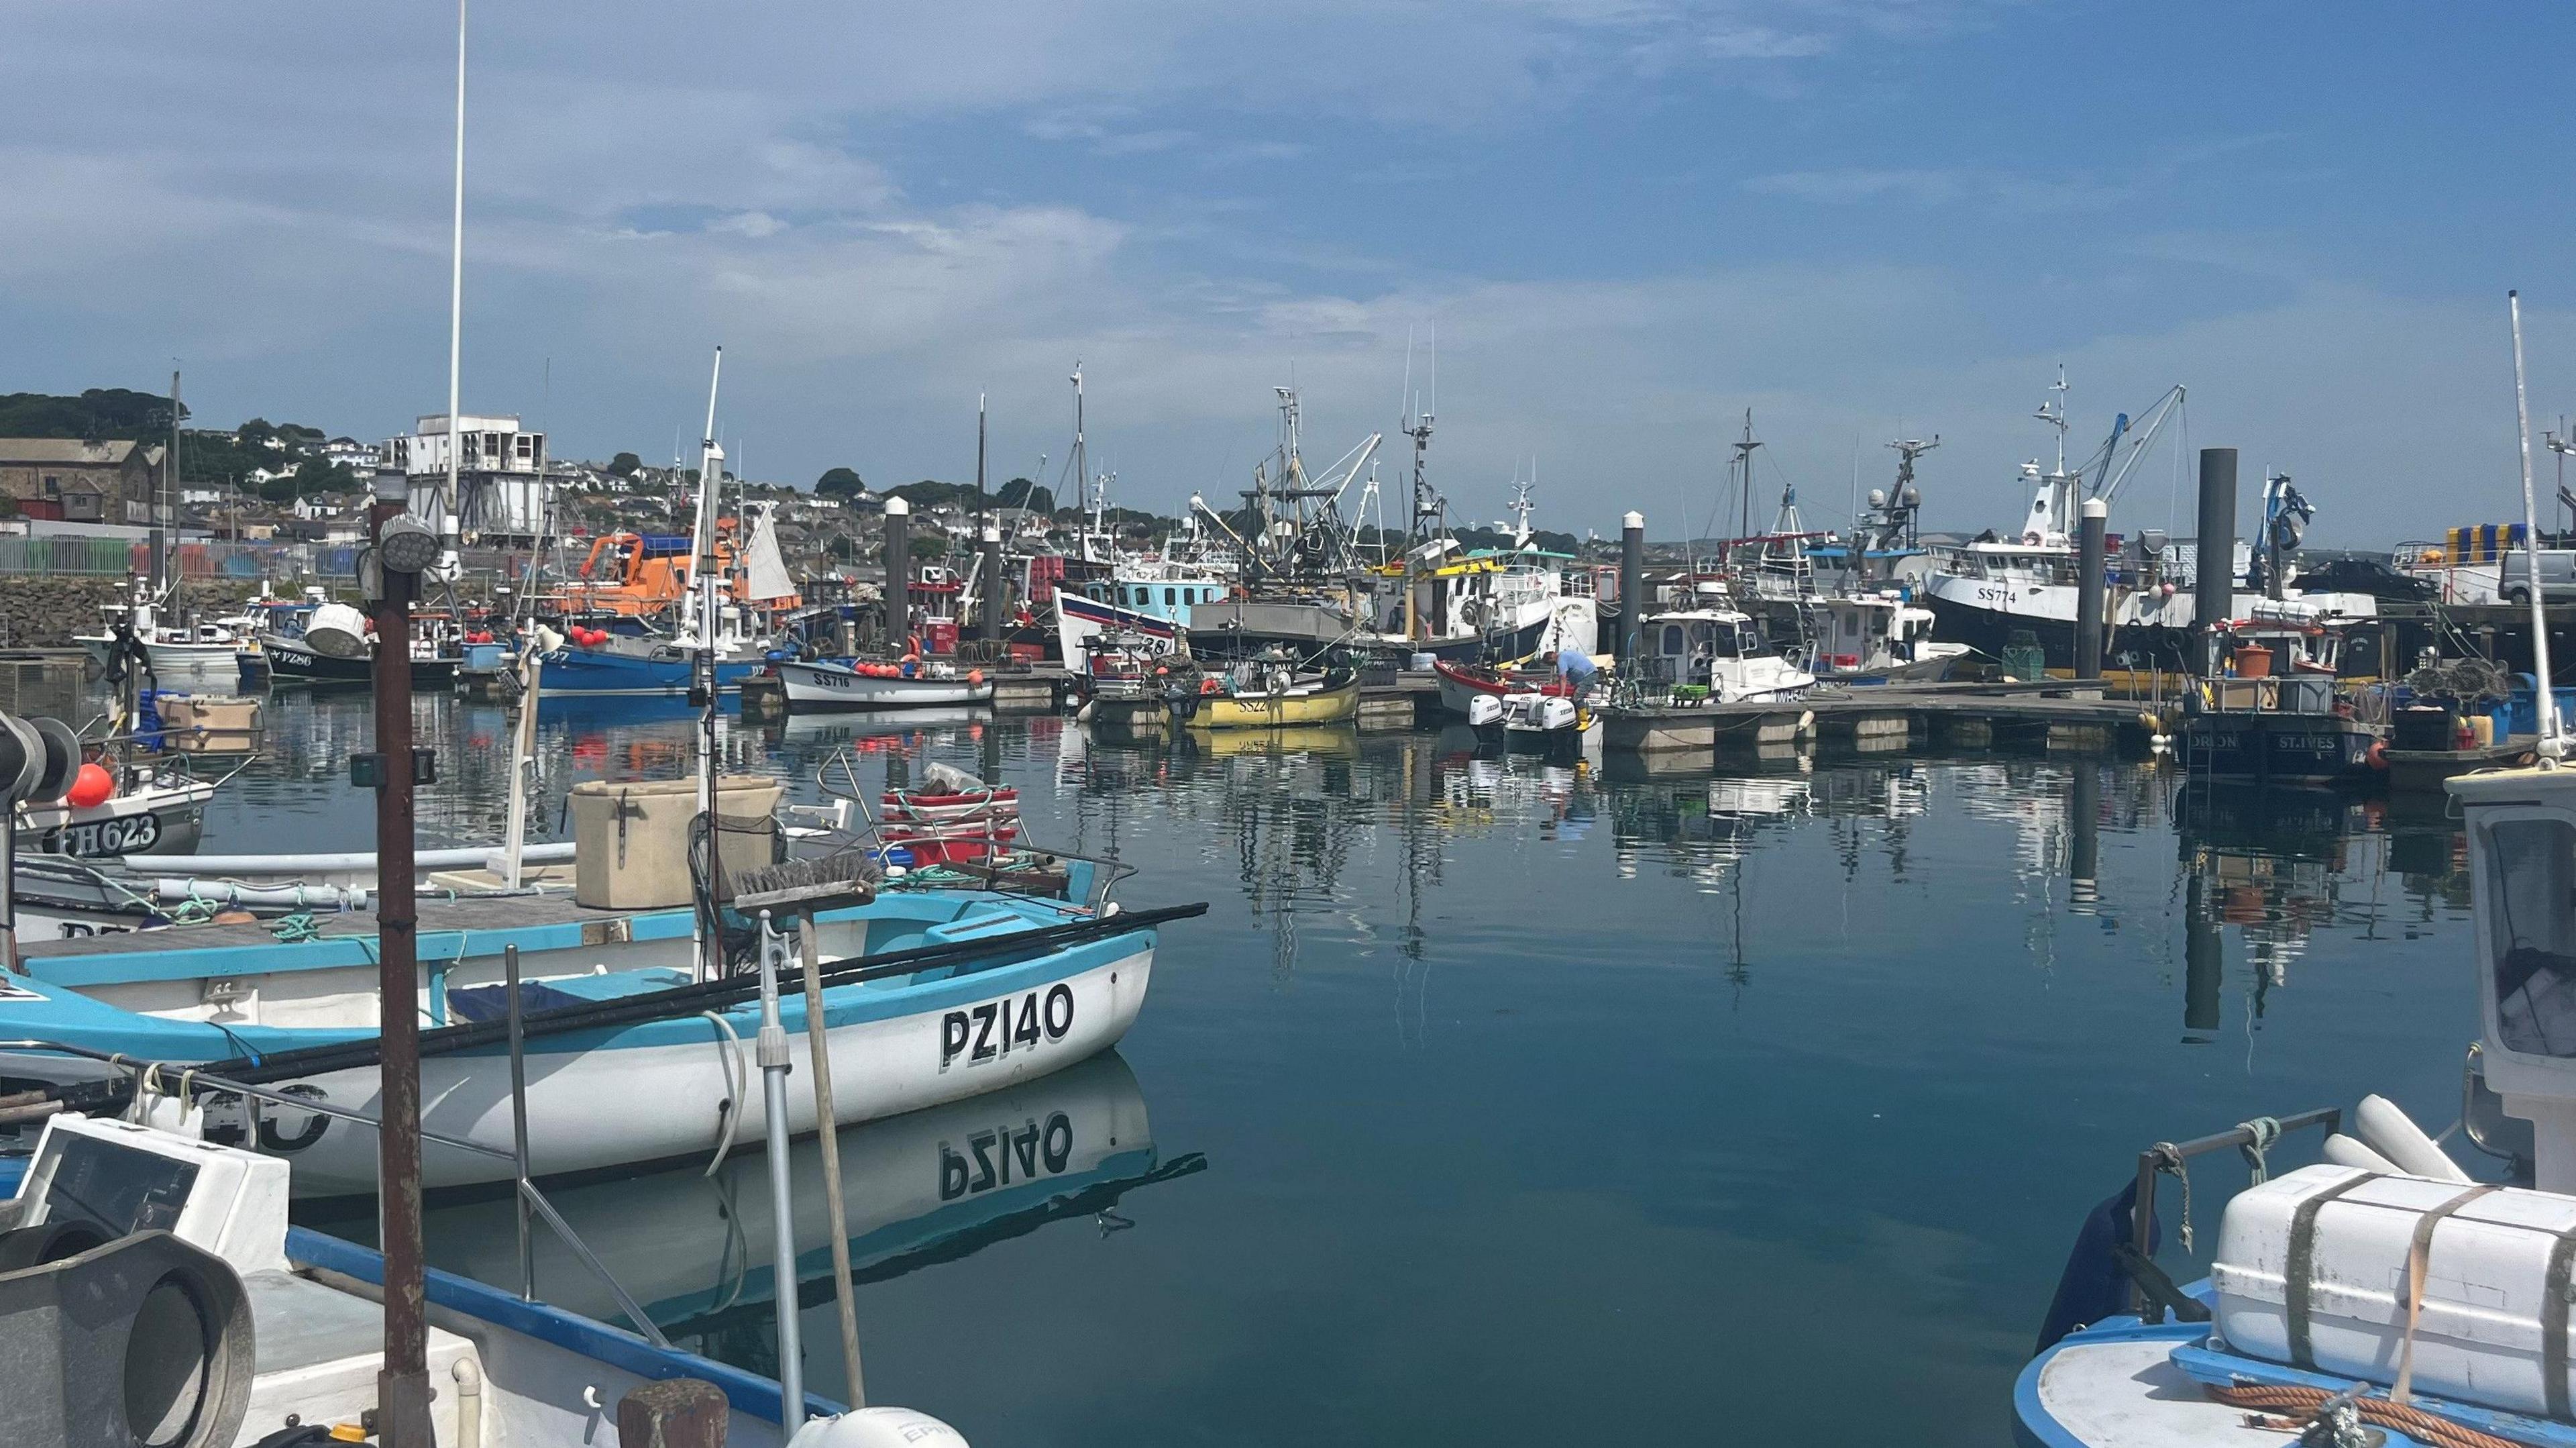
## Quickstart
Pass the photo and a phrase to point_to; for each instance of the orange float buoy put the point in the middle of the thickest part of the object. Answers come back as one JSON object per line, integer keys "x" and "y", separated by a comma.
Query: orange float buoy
{"x": 975, "y": 677}
{"x": 90, "y": 787}
{"x": 2377, "y": 754}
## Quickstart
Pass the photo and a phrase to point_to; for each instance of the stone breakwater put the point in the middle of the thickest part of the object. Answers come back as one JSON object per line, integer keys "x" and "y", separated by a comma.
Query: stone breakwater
{"x": 43, "y": 611}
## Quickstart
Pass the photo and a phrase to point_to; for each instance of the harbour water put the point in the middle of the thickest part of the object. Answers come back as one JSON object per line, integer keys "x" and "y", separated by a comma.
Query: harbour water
{"x": 1504, "y": 1102}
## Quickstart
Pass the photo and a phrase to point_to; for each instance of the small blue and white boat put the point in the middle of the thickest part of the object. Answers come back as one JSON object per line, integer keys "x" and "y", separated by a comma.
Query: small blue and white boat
{"x": 607, "y": 1086}
{"x": 624, "y": 665}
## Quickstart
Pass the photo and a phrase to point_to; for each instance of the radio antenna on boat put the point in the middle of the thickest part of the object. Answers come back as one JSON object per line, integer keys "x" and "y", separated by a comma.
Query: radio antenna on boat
{"x": 2551, "y": 745}
{"x": 448, "y": 501}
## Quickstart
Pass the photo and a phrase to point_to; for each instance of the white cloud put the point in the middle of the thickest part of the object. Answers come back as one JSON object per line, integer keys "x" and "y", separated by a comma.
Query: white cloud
{"x": 647, "y": 181}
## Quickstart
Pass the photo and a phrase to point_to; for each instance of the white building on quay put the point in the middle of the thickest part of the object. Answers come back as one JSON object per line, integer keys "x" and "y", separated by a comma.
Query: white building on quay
{"x": 504, "y": 496}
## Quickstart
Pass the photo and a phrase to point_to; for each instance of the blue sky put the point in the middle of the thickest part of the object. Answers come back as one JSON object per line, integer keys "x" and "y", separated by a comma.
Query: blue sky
{"x": 1624, "y": 221}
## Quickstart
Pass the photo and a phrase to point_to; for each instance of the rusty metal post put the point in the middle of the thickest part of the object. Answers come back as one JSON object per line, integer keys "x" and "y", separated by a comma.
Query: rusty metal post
{"x": 673, "y": 1413}
{"x": 402, "y": 1387}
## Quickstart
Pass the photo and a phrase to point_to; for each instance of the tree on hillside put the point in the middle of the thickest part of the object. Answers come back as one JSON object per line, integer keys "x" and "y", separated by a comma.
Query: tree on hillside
{"x": 839, "y": 483}
{"x": 624, "y": 465}
{"x": 312, "y": 475}
{"x": 1021, "y": 493}
{"x": 99, "y": 413}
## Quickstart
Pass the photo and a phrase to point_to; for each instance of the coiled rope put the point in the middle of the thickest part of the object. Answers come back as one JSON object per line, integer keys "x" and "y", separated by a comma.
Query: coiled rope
{"x": 2304, "y": 1402}
{"x": 2264, "y": 1130}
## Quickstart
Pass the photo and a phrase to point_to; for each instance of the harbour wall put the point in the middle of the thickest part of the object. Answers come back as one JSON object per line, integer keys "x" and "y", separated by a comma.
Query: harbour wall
{"x": 43, "y": 611}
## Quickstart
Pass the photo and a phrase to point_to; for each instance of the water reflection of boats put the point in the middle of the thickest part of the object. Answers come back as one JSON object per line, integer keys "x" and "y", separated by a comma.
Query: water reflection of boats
{"x": 1339, "y": 742}
{"x": 832, "y": 728}
{"x": 598, "y": 708}
{"x": 933, "y": 1186}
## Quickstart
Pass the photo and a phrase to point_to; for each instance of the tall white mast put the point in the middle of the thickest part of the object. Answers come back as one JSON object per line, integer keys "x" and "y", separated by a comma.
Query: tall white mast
{"x": 2551, "y": 746}
{"x": 448, "y": 502}
{"x": 703, "y": 575}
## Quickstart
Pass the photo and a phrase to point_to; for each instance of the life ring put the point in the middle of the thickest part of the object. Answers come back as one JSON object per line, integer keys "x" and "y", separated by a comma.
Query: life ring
{"x": 2376, "y": 756}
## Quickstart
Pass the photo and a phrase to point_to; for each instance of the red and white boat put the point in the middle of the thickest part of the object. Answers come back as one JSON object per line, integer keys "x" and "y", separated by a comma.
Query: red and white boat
{"x": 912, "y": 807}
{"x": 1461, "y": 684}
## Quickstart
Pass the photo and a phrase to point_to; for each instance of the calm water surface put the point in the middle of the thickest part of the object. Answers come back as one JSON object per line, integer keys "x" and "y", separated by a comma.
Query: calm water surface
{"x": 1506, "y": 1103}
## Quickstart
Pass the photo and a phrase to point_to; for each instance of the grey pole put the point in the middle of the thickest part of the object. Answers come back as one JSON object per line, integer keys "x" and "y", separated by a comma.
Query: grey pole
{"x": 2090, "y": 555}
{"x": 1632, "y": 585}
{"x": 2214, "y": 585}
{"x": 898, "y": 571}
{"x": 771, "y": 1050}
{"x": 988, "y": 619}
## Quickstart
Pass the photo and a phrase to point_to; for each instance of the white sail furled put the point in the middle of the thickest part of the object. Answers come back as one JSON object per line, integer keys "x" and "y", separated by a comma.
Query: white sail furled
{"x": 768, "y": 571}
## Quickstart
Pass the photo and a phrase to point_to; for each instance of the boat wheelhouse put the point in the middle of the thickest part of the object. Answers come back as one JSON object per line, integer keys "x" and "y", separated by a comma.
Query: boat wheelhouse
{"x": 1720, "y": 651}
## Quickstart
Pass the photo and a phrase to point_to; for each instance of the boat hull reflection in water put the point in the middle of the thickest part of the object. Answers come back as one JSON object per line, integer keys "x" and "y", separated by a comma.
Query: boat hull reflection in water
{"x": 694, "y": 1249}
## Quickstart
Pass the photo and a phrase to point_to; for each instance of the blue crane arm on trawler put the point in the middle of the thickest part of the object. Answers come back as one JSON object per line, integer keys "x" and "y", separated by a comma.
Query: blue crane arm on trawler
{"x": 2140, "y": 436}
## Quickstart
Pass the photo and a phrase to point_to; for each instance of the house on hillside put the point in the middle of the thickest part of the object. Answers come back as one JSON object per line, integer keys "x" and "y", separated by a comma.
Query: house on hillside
{"x": 360, "y": 458}
{"x": 80, "y": 482}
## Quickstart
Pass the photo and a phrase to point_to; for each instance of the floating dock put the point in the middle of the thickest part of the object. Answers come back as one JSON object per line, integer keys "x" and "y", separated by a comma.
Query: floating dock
{"x": 2058, "y": 714}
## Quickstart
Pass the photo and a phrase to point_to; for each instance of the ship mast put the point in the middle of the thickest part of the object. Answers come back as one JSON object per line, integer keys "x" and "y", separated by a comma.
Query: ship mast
{"x": 1744, "y": 468}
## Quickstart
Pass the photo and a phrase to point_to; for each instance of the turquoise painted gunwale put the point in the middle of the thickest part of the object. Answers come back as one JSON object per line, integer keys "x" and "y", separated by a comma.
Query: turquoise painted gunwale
{"x": 938, "y": 988}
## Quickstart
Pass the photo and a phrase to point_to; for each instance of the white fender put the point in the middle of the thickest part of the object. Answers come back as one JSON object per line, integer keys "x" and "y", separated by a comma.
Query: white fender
{"x": 877, "y": 1428}
{"x": 2342, "y": 1150}
{"x": 2385, "y": 1129}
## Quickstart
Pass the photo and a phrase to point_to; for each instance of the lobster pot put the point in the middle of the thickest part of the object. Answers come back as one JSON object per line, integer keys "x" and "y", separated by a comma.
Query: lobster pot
{"x": 631, "y": 840}
{"x": 2312, "y": 1272}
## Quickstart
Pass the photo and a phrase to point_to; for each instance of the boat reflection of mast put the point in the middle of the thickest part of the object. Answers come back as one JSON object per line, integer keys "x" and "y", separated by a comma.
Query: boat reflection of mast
{"x": 1421, "y": 839}
{"x": 2083, "y": 857}
{"x": 1739, "y": 972}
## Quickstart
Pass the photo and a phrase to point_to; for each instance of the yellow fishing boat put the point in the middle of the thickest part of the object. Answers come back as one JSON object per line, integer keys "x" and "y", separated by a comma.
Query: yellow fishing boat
{"x": 1330, "y": 700}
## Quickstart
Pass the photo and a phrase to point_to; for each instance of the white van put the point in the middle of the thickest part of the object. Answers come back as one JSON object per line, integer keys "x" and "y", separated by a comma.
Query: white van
{"x": 2557, "y": 575}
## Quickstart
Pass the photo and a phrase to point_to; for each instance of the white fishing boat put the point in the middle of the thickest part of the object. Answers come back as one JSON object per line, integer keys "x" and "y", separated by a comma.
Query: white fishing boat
{"x": 1881, "y": 636}
{"x": 831, "y": 684}
{"x": 968, "y": 992}
{"x": 153, "y": 807}
{"x": 1719, "y": 654}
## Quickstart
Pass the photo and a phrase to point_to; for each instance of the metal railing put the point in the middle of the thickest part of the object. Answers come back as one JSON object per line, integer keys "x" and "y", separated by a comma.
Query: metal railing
{"x": 2171, "y": 1155}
